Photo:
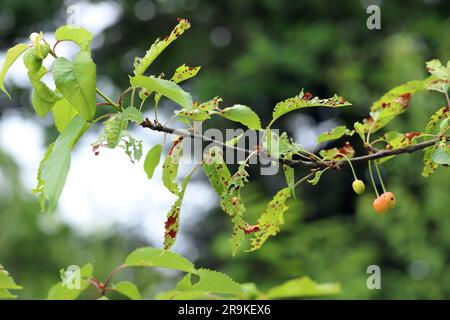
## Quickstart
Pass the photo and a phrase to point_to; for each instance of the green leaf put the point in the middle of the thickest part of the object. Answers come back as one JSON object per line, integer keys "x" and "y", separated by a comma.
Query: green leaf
{"x": 303, "y": 287}
{"x": 242, "y": 114}
{"x": 441, "y": 154}
{"x": 272, "y": 218}
{"x": 132, "y": 114}
{"x": 216, "y": 169}
{"x": 11, "y": 55}
{"x": 63, "y": 113}
{"x": 56, "y": 167}
{"x": 152, "y": 257}
{"x": 173, "y": 217}
{"x": 305, "y": 100}
{"x": 141, "y": 64}
{"x": 166, "y": 88}
{"x": 429, "y": 167}
{"x": 61, "y": 291}
{"x": 334, "y": 134}
{"x": 7, "y": 283}
{"x": 76, "y": 34}
{"x": 210, "y": 282}
{"x": 128, "y": 289}
{"x": 170, "y": 167}
{"x": 152, "y": 160}
{"x": 317, "y": 176}
{"x": 76, "y": 80}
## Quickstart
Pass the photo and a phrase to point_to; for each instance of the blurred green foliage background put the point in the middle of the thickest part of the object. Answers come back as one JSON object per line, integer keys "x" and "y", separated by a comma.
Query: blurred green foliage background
{"x": 258, "y": 53}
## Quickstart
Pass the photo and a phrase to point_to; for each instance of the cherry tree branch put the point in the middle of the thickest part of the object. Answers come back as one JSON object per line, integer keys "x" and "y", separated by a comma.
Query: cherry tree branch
{"x": 314, "y": 164}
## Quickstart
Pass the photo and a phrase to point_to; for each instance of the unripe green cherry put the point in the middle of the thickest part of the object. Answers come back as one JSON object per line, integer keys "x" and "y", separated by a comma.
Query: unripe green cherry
{"x": 358, "y": 186}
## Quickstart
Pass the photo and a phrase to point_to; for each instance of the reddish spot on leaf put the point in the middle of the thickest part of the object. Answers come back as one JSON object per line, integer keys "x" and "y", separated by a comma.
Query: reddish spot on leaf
{"x": 307, "y": 96}
{"x": 404, "y": 99}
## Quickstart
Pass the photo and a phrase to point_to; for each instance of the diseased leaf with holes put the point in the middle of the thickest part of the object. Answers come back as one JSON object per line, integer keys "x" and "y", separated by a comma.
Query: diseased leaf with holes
{"x": 210, "y": 282}
{"x": 336, "y": 153}
{"x": 132, "y": 114}
{"x": 231, "y": 203}
{"x": 184, "y": 73}
{"x": 429, "y": 167}
{"x": 76, "y": 80}
{"x": 76, "y": 34}
{"x": 272, "y": 218}
{"x": 159, "y": 258}
{"x": 7, "y": 283}
{"x": 56, "y": 167}
{"x": 63, "y": 113}
{"x": 128, "y": 289}
{"x": 242, "y": 114}
{"x": 317, "y": 177}
{"x": 441, "y": 154}
{"x": 132, "y": 147}
{"x": 391, "y": 104}
{"x": 141, "y": 64}
{"x": 61, "y": 291}
{"x": 216, "y": 169}
{"x": 436, "y": 119}
{"x": 170, "y": 167}
{"x": 11, "y": 55}
{"x": 172, "y": 223}
{"x": 441, "y": 74}
{"x": 303, "y": 287}
{"x": 334, "y": 134}
{"x": 396, "y": 140}
{"x": 306, "y": 100}
{"x": 166, "y": 88}
{"x": 152, "y": 160}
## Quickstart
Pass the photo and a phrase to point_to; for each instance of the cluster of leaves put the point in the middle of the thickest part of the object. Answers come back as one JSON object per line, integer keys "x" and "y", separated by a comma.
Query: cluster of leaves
{"x": 73, "y": 105}
{"x": 209, "y": 284}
